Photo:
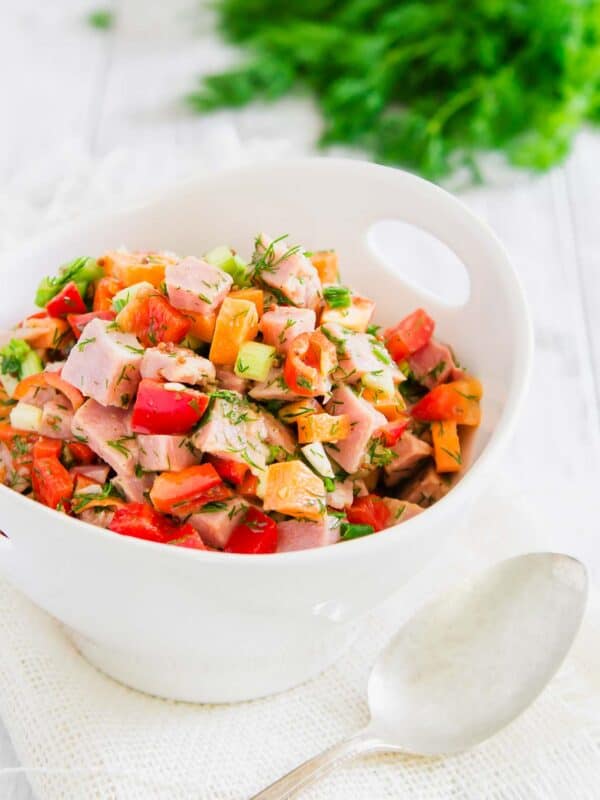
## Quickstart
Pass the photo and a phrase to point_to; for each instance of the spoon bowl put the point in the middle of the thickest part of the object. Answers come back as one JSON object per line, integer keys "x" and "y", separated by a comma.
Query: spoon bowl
{"x": 465, "y": 665}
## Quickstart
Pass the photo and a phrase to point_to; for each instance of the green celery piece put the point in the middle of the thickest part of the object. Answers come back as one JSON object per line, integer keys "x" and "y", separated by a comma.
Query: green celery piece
{"x": 254, "y": 361}
{"x": 224, "y": 258}
{"x": 32, "y": 364}
{"x": 82, "y": 271}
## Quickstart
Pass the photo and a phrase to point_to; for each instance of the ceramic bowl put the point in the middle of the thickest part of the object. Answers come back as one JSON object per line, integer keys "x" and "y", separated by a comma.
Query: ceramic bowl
{"x": 214, "y": 627}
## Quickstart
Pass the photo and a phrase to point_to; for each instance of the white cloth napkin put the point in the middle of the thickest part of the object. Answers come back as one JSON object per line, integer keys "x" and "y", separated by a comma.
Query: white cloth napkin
{"x": 80, "y": 735}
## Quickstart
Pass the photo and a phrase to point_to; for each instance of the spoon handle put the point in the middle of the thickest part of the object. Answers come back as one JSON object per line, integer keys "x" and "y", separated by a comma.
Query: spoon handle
{"x": 316, "y": 767}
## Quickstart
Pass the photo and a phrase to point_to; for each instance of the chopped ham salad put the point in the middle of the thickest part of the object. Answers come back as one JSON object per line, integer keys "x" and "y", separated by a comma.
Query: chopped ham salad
{"x": 218, "y": 404}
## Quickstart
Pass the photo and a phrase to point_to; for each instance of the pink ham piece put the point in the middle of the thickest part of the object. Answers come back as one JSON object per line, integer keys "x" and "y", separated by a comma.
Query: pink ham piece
{"x": 401, "y": 510}
{"x": 177, "y": 365}
{"x": 364, "y": 421}
{"x": 287, "y": 270}
{"x": 162, "y": 453}
{"x": 408, "y": 451}
{"x": 283, "y": 323}
{"x": 133, "y": 487}
{"x": 299, "y": 535}
{"x": 195, "y": 285}
{"x": 278, "y": 436}
{"x": 215, "y": 526}
{"x": 274, "y": 388}
{"x": 358, "y": 353}
{"x": 95, "y": 472}
{"x": 105, "y": 364}
{"x": 434, "y": 364}
{"x": 235, "y": 429}
{"x": 108, "y": 432}
{"x": 227, "y": 379}
{"x": 345, "y": 492}
{"x": 426, "y": 488}
{"x": 100, "y": 517}
{"x": 57, "y": 417}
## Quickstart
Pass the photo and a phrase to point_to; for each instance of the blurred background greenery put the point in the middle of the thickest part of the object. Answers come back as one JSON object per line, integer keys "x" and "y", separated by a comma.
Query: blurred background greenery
{"x": 431, "y": 86}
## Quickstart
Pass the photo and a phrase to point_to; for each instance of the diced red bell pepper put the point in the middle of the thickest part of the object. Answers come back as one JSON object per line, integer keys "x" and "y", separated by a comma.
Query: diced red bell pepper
{"x": 81, "y": 453}
{"x": 154, "y": 320}
{"x": 163, "y": 410}
{"x": 143, "y": 522}
{"x": 369, "y": 510}
{"x": 67, "y": 301}
{"x": 409, "y": 335}
{"x": 190, "y": 539}
{"x": 46, "y": 448}
{"x": 182, "y": 492}
{"x": 457, "y": 401}
{"x": 79, "y": 321}
{"x": 229, "y": 470}
{"x": 310, "y": 359}
{"x": 256, "y": 534}
{"x": 391, "y": 432}
{"x": 106, "y": 289}
{"x": 52, "y": 483}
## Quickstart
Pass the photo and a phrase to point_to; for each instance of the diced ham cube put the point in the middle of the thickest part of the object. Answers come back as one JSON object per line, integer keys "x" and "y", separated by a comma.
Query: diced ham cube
{"x": 108, "y": 432}
{"x": 283, "y": 323}
{"x": 176, "y": 364}
{"x": 161, "y": 453}
{"x": 408, "y": 451}
{"x": 433, "y": 364}
{"x": 364, "y": 421}
{"x": 274, "y": 388}
{"x": 227, "y": 379}
{"x": 215, "y": 525}
{"x": 342, "y": 494}
{"x": 195, "y": 285}
{"x": 400, "y": 510}
{"x": 300, "y": 535}
{"x": 105, "y": 364}
{"x": 95, "y": 472}
{"x": 287, "y": 270}
{"x": 235, "y": 429}
{"x": 426, "y": 488}
{"x": 278, "y": 436}
{"x": 358, "y": 353}
{"x": 57, "y": 417}
{"x": 133, "y": 487}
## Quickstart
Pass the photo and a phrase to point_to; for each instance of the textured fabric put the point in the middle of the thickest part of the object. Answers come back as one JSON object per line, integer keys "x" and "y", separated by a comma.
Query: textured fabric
{"x": 80, "y": 735}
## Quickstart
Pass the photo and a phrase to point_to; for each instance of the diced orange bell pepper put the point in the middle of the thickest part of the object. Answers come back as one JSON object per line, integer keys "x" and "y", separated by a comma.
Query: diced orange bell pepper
{"x": 52, "y": 483}
{"x": 189, "y": 489}
{"x": 291, "y": 412}
{"x": 202, "y": 325}
{"x": 326, "y": 262}
{"x": 237, "y": 322}
{"x": 391, "y": 409}
{"x": 457, "y": 401}
{"x": 106, "y": 289}
{"x": 446, "y": 446}
{"x": 52, "y": 380}
{"x": 323, "y": 428}
{"x": 135, "y": 267}
{"x": 292, "y": 488}
{"x": 53, "y": 331}
{"x": 46, "y": 448}
{"x": 256, "y": 296}
{"x": 153, "y": 319}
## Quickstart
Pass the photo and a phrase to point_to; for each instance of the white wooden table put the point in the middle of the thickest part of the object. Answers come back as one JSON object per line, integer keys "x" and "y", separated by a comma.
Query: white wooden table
{"x": 61, "y": 80}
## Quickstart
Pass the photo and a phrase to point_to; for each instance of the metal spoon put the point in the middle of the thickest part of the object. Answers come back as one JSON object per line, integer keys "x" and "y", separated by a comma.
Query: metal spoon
{"x": 465, "y": 665}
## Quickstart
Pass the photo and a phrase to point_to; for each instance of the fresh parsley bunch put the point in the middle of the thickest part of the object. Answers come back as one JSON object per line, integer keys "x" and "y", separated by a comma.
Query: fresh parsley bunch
{"x": 429, "y": 85}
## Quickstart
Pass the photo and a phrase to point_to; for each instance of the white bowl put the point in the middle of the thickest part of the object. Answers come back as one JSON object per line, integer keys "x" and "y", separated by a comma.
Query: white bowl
{"x": 213, "y": 627}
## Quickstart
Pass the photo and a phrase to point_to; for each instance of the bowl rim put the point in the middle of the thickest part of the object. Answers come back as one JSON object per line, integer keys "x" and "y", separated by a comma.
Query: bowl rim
{"x": 353, "y": 548}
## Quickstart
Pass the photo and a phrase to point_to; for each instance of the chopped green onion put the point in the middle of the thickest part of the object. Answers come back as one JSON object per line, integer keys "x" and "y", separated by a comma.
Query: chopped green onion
{"x": 254, "y": 361}
{"x": 337, "y": 296}
{"x": 82, "y": 271}
{"x": 349, "y": 530}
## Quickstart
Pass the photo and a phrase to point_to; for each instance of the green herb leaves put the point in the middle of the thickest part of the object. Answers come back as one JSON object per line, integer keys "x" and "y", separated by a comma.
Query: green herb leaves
{"x": 427, "y": 85}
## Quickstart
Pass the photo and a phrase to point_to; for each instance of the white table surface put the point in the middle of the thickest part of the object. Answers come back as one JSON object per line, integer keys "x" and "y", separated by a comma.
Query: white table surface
{"x": 62, "y": 81}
